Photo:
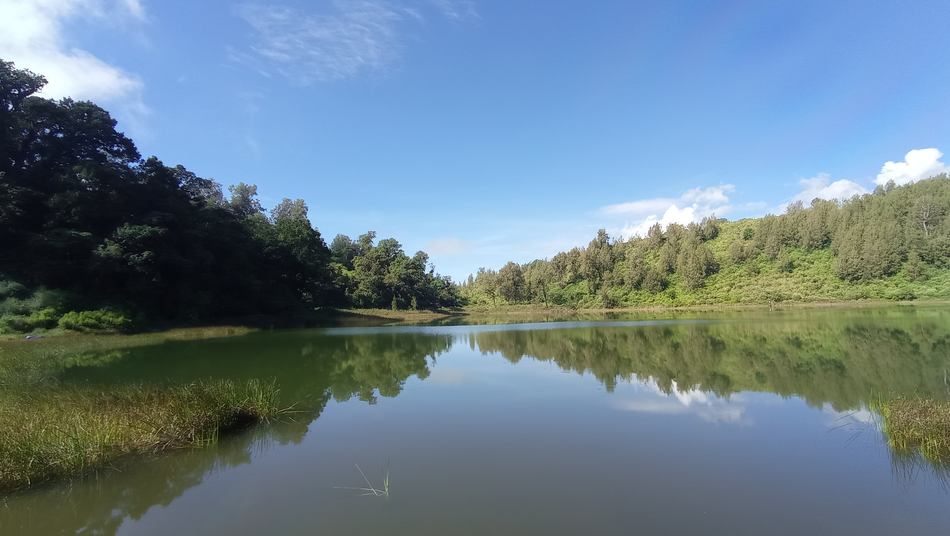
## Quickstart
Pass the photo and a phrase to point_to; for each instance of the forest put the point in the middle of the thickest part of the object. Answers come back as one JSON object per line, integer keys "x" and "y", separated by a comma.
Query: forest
{"x": 93, "y": 236}
{"x": 892, "y": 244}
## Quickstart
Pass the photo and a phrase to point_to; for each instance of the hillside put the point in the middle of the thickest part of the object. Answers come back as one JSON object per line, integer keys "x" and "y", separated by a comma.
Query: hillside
{"x": 893, "y": 244}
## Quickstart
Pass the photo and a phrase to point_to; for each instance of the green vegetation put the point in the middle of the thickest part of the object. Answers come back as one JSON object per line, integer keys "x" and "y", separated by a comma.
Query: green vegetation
{"x": 70, "y": 430}
{"x": 93, "y": 237}
{"x": 53, "y": 429}
{"x": 371, "y": 490}
{"x": 916, "y": 423}
{"x": 893, "y": 244}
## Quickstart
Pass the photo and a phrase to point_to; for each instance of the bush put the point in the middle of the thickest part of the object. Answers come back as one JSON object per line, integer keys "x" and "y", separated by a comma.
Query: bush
{"x": 94, "y": 320}
{"x": 15, "y": 324}
{"x": 12, "y": 289}
{"x": 44, "y": 318}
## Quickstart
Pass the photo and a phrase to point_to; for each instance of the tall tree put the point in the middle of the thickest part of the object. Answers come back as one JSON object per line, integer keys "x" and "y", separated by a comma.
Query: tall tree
{"x": 511, "y": 284}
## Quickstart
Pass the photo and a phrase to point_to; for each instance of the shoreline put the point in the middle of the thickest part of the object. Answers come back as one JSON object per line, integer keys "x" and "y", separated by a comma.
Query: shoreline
{"x": 328, "y": 317}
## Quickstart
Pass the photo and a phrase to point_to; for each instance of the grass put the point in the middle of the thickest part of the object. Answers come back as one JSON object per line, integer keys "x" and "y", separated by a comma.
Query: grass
{"x": 371, "y": 490}
{"x": 60, "y": 431}
{"x": 914, "y": 423}
{"x": 49, "y": 430}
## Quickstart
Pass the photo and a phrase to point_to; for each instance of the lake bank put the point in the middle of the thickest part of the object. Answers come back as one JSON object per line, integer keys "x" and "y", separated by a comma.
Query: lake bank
{"x": 52, "y": 430}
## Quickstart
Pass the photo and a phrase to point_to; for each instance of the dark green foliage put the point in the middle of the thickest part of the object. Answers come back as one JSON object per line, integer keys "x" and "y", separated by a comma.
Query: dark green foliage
{"x": 654, "y": 237}
{"x": 913, "y": 268}
{"x": 784, "y": 262}
{"x": 384, "y": 276}
{"x": 654, "y": 280}
{"x": 636, "y": 268}
{"x": 15, "y": 324}
{"x": 343, "y": 250}
{"x": 100, "y": 320}
{"x": 596, "y": 261}
{"x": 667, "y": 260}
{"x": 511, "y": 284}
{"x": 81, "y": 213}
{"x": 737, "y": 252}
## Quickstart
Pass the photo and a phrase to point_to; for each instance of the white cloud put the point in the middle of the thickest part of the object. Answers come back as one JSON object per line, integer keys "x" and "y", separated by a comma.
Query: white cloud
{"x": 697, "y": 204}
{"x": 356, "y": 36}
{"x": 445, "y": 246}
{"x": 31, "y": 35}
{"x": 918, "y": 164}
{"x": 689, "y": 401}
{"x": 822, "y": 188}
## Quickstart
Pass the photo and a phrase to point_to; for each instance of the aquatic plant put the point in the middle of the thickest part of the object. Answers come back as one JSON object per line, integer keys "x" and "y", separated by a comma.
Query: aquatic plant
{"x": 371, "y": 490}
{"x": 916, "y": 423}
{"x": 68, "y": 430}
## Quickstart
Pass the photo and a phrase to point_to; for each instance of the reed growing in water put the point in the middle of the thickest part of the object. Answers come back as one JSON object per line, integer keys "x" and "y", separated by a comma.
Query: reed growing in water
{"x": 912, "y": 423}
{"x": 67, "y": 430}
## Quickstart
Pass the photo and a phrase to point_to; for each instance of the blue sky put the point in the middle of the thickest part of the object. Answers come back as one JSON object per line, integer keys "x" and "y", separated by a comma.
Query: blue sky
{"x": 484, "y": 131}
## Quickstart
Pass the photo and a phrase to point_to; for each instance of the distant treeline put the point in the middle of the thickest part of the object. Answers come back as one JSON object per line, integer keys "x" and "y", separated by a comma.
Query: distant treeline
{"x": 86, "y": 224}
{"x": 891, "y": 244}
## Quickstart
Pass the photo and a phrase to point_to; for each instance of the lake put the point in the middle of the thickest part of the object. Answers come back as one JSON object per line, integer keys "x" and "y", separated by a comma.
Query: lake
{"x": 668, "y": 423}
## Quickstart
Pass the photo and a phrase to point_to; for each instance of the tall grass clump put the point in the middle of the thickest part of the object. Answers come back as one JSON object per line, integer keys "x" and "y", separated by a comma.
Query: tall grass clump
{"x": 68, "y": 430}
{"x": 910, "y": 424}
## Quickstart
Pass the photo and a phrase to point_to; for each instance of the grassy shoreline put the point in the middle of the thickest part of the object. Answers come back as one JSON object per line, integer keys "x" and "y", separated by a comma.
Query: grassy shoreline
{"x": 51, "y": 430}
{"x": 66, "y": 431}
{"x": 333, "y": 317}
{"x": 359, "y": 317}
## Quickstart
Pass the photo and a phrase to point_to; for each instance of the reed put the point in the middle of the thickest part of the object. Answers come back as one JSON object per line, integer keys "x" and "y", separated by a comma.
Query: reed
{"x": 916, "y": 423}
{"x": 372, "y": 490}
{"x": 68, "y": 430}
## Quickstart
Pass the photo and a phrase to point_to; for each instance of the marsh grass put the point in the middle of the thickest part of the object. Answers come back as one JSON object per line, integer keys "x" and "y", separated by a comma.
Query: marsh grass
{"x": 912, "y": 424}
{"x": 66, "y": 430}
{"x": 49, "y": 430}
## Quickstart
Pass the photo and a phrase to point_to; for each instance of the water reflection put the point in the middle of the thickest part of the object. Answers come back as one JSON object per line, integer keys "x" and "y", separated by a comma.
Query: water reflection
{"x": 100, "y": 503}
{"x": 707, "y": 407}
{"x": 831, "y": 359}
{"x": 834, "y": 360}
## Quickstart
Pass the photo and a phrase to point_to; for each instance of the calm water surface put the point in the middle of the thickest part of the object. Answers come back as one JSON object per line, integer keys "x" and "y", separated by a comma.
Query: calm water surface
{"x": 715, "y": 423}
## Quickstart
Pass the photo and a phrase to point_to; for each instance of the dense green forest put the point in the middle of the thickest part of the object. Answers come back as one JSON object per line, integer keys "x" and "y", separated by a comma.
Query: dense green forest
{"x": 892, "y": 244}
{"x": 94, "y": 236}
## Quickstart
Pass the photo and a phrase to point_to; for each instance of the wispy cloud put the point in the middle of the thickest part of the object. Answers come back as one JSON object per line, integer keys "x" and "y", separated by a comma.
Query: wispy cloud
{"x": 692, "y": 206}
{"x": 456, "y": 9}
{"x": 918, "y": 164}
{"x": 354, "y": 36}
{"x": 31, "y": 35}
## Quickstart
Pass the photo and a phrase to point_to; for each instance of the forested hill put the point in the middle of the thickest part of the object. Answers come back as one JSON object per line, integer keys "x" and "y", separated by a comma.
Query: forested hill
{"x": 87, "y": 225}
{"x": 893, "y": 244}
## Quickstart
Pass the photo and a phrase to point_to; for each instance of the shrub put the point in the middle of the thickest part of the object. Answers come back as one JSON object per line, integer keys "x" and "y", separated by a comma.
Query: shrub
{"x": 15, "y": 324}
{"x": 44, "y": 318}
{"x": 94, "y": 320}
